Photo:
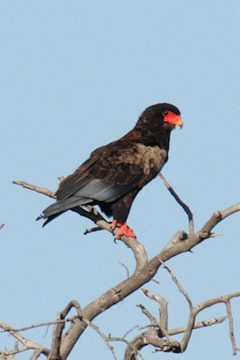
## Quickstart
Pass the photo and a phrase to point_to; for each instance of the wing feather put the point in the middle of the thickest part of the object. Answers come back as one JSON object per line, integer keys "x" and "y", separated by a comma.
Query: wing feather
{"x": 113, "y": 170}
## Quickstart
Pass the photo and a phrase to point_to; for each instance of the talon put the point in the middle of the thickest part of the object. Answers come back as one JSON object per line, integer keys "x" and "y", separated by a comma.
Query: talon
{"x": 124, "y": 229}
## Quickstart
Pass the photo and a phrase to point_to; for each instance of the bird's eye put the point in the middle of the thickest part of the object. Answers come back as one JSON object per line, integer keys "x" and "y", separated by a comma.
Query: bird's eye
{"x": 165, "y": 112}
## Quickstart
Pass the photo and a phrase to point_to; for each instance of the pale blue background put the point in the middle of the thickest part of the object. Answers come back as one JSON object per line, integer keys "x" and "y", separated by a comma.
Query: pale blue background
{"x": 76, "y": 75}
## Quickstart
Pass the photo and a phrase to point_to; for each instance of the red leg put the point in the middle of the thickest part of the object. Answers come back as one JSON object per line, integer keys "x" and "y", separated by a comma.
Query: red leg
{"x": 124, "y": 229}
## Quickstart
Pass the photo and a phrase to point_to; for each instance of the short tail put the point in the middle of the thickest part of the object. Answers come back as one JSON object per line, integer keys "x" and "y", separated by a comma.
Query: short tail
{"x": 58, "y": 208}
{"x": 49, "y": 218}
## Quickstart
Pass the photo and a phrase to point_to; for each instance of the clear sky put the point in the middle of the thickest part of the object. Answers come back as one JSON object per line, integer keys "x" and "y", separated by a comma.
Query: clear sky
{"x": 76, "y": 75}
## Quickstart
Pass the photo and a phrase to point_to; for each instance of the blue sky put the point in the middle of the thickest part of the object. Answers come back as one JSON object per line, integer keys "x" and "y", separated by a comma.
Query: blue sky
{"x": 76, "y": 75}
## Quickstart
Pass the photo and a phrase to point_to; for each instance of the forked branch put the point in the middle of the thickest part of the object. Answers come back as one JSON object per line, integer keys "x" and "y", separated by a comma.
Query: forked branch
{"x": 144, "y": 272}
{"x": 161, "y": 338}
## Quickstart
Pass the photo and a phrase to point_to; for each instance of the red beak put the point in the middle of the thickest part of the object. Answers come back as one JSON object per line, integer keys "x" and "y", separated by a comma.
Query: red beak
{"x": 174, "y": 119}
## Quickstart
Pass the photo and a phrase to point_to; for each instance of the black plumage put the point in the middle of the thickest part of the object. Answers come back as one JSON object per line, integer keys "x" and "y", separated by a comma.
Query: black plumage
{"x": 115, "y": 173}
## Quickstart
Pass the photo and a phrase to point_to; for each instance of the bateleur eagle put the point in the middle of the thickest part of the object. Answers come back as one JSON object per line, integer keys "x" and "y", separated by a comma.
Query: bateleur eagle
{"x": 115, "y": 173}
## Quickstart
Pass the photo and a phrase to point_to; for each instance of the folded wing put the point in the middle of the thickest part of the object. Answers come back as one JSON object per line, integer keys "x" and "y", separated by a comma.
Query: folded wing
{"x": 110, "y": 173}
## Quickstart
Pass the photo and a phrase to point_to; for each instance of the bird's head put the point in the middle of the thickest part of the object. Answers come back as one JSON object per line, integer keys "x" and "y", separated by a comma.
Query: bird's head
{"x": 161, "y": 115}
{"x": 156, "y": 123}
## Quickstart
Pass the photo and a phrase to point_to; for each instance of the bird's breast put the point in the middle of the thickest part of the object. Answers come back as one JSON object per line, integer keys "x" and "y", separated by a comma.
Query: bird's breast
{"x": 150, "y": 158}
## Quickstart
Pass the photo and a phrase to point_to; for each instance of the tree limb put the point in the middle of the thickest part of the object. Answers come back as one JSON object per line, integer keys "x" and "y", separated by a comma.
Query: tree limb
{"x": 145, "y": 271}
{"x": 38, "y": 189}
{"x": 26, "y": 343}
{"x": 180, "y": 202}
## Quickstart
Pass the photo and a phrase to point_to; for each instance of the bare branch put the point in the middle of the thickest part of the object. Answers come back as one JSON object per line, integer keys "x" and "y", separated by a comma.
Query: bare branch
{"x": 40, "y": 190}
{"x": 22, "y": 339}
{"x": 130, "y": 346}
{"x": 231, "y": 210}
{"x": 145, "y": 271}
{"x": 231, "y": 328}
{"x": 16, "y": 350}
{"x": 137, "y": 248}
{"x": 219, "y": 216}
{"x": 59, "y": 327}
{"x": 126, "y": 268}
{"x": 130, "y": 330}
{"x": 181, "y": 289}
{"x": 198, "y": 325}
{"x": 100, "y": 332}
{"x": 163, "y": 308}
{"x": 56, "y": 339}
{"x": 37, "y": 353}
{"x": 93, "y": 229}
{"x": 70, "y": 305}
{"x": 91, "y": 214}
{"x": 160, "y": 327}
{"x": 150, "y": 337}
{"x": 197, "y": 309}
{"x": 181, "y": 203}
{"x": 153, "y": 320}
{"x": 1, "y": 226}
{"x": 30, "y": 327}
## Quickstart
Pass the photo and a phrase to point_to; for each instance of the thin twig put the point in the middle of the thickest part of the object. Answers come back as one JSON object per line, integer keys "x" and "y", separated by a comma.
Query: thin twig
{"x": 126, "y": 268}
{"x": 162, "y": 331}
{"x": 100, "y": 332}
{"x": 93, "y": 229}
{"x": 27, "y": 343}
{"x": 163, "y": 313}
{"x": 16, "y": 350}
{"x": 130, "y": 330}
{"x": 39, "y": 325}
{"x": 181, "y": 203}
{"x": 231, "y": 210}
{"x": 1, "y": 226}
{"x": 38, "y": 189}
{"x": 130, "y": 345}
{"x": 231, "y": 328}
{"x": 153, "y": 320}
{"x": 181, "y": 289}
{"x": 217, "y": 217}
{"x": 199, "y": 325}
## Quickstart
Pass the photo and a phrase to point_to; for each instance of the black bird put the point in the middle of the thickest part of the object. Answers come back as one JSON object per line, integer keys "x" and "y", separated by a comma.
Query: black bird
{"x": 115, "y": 173}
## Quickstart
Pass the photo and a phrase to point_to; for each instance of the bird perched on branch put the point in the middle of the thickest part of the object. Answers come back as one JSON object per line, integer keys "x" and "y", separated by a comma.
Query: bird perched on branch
{"x": 115, "y": 173}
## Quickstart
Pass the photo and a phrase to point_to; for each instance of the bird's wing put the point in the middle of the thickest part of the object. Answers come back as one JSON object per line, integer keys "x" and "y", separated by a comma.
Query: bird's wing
{"x": 112, "y": 171}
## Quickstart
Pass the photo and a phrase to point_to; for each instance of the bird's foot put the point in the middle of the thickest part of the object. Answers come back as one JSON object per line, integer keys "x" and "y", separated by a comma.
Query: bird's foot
{"x": 124, "y": 229}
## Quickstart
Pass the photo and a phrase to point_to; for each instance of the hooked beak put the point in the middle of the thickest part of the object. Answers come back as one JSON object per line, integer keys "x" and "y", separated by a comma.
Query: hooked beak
{"x": 178, "y": 121}
{"x": 174, "y": 119}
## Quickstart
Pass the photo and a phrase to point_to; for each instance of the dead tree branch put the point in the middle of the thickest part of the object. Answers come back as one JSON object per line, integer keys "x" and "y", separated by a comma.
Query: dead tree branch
{"x": 199, "y": 325}
{"x": 163, "y": 312}
{"x": 59, "y": 327}
{"x": 194, "y": 312}
{"x": 180, "y": 202}
{"x": 134, "y": 347}
{"x": 101, "y": 333}
{"x": 48, "y": 323}
{"x": 181, "y": 289}
{"x": 144, "y": 272}
{"x": 38, "y": 189}
{"x": 27, "y": 344}
{"x": 169, "y": 344}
